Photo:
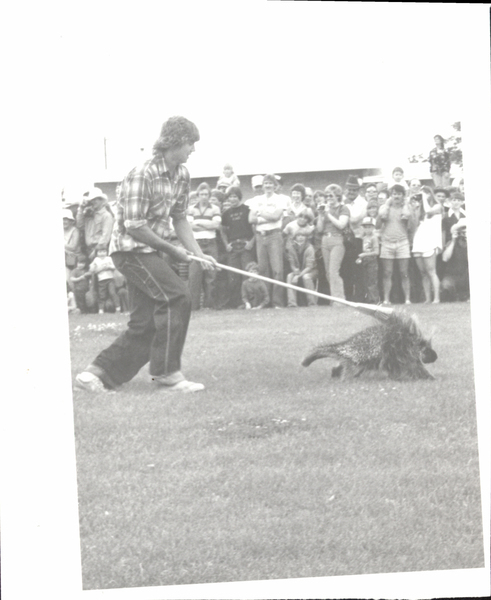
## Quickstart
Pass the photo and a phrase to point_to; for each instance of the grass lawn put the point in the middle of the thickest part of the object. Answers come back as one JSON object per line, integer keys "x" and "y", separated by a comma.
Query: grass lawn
{"x": 277, "y": 471}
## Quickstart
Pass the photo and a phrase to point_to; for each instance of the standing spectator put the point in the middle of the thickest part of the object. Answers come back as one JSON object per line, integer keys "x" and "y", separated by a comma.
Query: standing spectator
{"x": 297, "y": 194}
{"x": 238, "y": 237}
{"x": 301, "y": 256}
{"x": 228, "y": 178}
{"x": 72, "y": 243}
{"x": 257, "y": 188}
{"x": 80, "y": 284}
{"x": 427, "y": 243}
{"x": 331, "y": 221}
{"x": 121, "y": 291}
{"x": 309, "y": 199}
{"x": 351, "y": 272}
{"x": 382, "y": 197}
{"x": 442, "y": 195}
{"x": 95, "y": 220}
{"x": 102, "y": 268}
{"x": 160, "y": 301}
{"x": 368, "y": 259}
{"x": 205, "y": 220}
{"x": 440, "y": 163}
{"x": 322, "y": 282}
{"x": 371, "y": 192}
{"x": 396, "y": 220}
{"x": 455, "y": 282}
{"x": 266, "y": 214}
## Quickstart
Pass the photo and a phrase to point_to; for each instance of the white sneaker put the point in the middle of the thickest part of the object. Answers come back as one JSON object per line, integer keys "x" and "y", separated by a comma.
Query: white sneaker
{"x": 89, "y": 382}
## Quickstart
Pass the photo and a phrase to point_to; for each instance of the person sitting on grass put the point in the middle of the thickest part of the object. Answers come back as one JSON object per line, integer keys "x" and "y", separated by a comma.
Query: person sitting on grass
{"x": 254, "y": 291}
{"x": 301, "y": 256}
{"x": 102, "y": 267}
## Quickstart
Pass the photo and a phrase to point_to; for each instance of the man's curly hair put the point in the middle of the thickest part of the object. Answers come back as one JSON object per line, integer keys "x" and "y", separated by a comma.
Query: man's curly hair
{"x": 175, "y": 132}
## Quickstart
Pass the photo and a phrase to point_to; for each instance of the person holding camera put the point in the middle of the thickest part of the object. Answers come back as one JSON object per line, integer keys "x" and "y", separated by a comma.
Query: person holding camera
{"x": 95, "y": 221}
{"x": 333, "y": 217}
{"x": 427, "y": 242}
{"x": 455, "y": 282}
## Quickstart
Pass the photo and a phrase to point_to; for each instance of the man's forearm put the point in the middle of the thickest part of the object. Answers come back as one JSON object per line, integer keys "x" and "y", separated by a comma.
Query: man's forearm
{"x": 146, "y": 236}
{"x": 185, "y": 235}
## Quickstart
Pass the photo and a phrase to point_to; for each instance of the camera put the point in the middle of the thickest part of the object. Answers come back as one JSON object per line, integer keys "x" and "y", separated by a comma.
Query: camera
{"x": 322, "y": 207}
{"x": 418, "y": 197}
{"x": 88, "y": 211}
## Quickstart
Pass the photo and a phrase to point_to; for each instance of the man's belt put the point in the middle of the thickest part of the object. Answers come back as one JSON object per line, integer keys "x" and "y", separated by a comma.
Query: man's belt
{"x": 269, "y": 231}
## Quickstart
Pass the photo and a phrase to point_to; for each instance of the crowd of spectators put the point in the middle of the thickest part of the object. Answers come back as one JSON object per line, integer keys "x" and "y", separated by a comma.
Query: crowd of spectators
{"x": 388, "y": 242}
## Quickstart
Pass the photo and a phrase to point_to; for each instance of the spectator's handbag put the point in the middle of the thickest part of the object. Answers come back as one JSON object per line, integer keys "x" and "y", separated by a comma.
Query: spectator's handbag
{"x": 70, "y": 260}
{"x": 348, "y": 236}
{"x": 91, "y": 295}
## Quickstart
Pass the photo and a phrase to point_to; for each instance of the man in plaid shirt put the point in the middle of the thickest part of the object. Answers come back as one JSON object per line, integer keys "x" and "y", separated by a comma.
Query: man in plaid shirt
{"x": 150, "y": 196}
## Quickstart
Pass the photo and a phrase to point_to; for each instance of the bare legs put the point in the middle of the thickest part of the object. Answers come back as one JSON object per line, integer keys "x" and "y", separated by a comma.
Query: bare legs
{"x": 427, "y": 268}
{"x": 387, "y": 268}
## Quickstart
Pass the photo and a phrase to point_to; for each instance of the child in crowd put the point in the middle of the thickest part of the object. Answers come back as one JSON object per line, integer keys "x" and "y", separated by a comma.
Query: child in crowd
{"x": 301, "y": 256}
{"x": 228, "y": 178}
{"x": 255, "y": 293}
{"x": 397, "y": 177}
{"x": 121, "y": 291}
{"x": 102, "y": 267}
{"x": 80, "y": 284}
{"x": 368, "y": 259}
{"x": 372, "y": 209}
{"x": 304, "y": 222}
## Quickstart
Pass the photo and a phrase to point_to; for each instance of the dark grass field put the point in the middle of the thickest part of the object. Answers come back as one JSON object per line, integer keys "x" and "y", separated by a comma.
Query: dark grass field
{"x": 276, "y": 471}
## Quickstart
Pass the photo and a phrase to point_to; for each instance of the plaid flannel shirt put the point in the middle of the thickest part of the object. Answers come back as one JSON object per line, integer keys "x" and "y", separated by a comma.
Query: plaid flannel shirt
{"x": 150, "y": 197}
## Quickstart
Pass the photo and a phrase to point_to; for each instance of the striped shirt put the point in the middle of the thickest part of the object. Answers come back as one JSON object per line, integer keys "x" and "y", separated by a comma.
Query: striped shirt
{"x": 199, "y": 213}
{"x": 149, "y": 196}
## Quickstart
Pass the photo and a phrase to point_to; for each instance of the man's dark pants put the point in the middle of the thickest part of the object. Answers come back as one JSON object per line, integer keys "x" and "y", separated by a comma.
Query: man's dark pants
{"x": 160, "y": 310}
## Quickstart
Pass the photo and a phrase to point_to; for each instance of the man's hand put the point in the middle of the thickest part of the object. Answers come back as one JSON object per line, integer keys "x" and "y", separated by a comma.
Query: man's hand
{"x": 211, "y": 263}
{"x": 181, "y": 254}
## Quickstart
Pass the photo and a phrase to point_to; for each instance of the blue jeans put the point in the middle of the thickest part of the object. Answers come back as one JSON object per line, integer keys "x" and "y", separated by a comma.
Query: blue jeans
{"x": 239, "y": 259}
{"x": 270, "y": 261}
{"x": 333, "y": 252}
{"x": 160, "y": 311}
{"x": 203, "y": 280}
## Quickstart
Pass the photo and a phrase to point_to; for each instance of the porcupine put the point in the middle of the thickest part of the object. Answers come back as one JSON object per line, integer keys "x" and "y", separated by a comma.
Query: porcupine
{"x": 396, "y": 346}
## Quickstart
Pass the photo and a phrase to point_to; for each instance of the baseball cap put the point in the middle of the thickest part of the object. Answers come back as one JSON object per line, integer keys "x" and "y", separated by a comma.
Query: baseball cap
{"x": 67, "y": 214}
{"x": 257, "y": 180}
{"x": 94, "y": 193}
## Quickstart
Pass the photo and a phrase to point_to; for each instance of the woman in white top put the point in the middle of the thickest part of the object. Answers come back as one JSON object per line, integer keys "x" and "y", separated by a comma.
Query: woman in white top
{"x": 427, "y": 243}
